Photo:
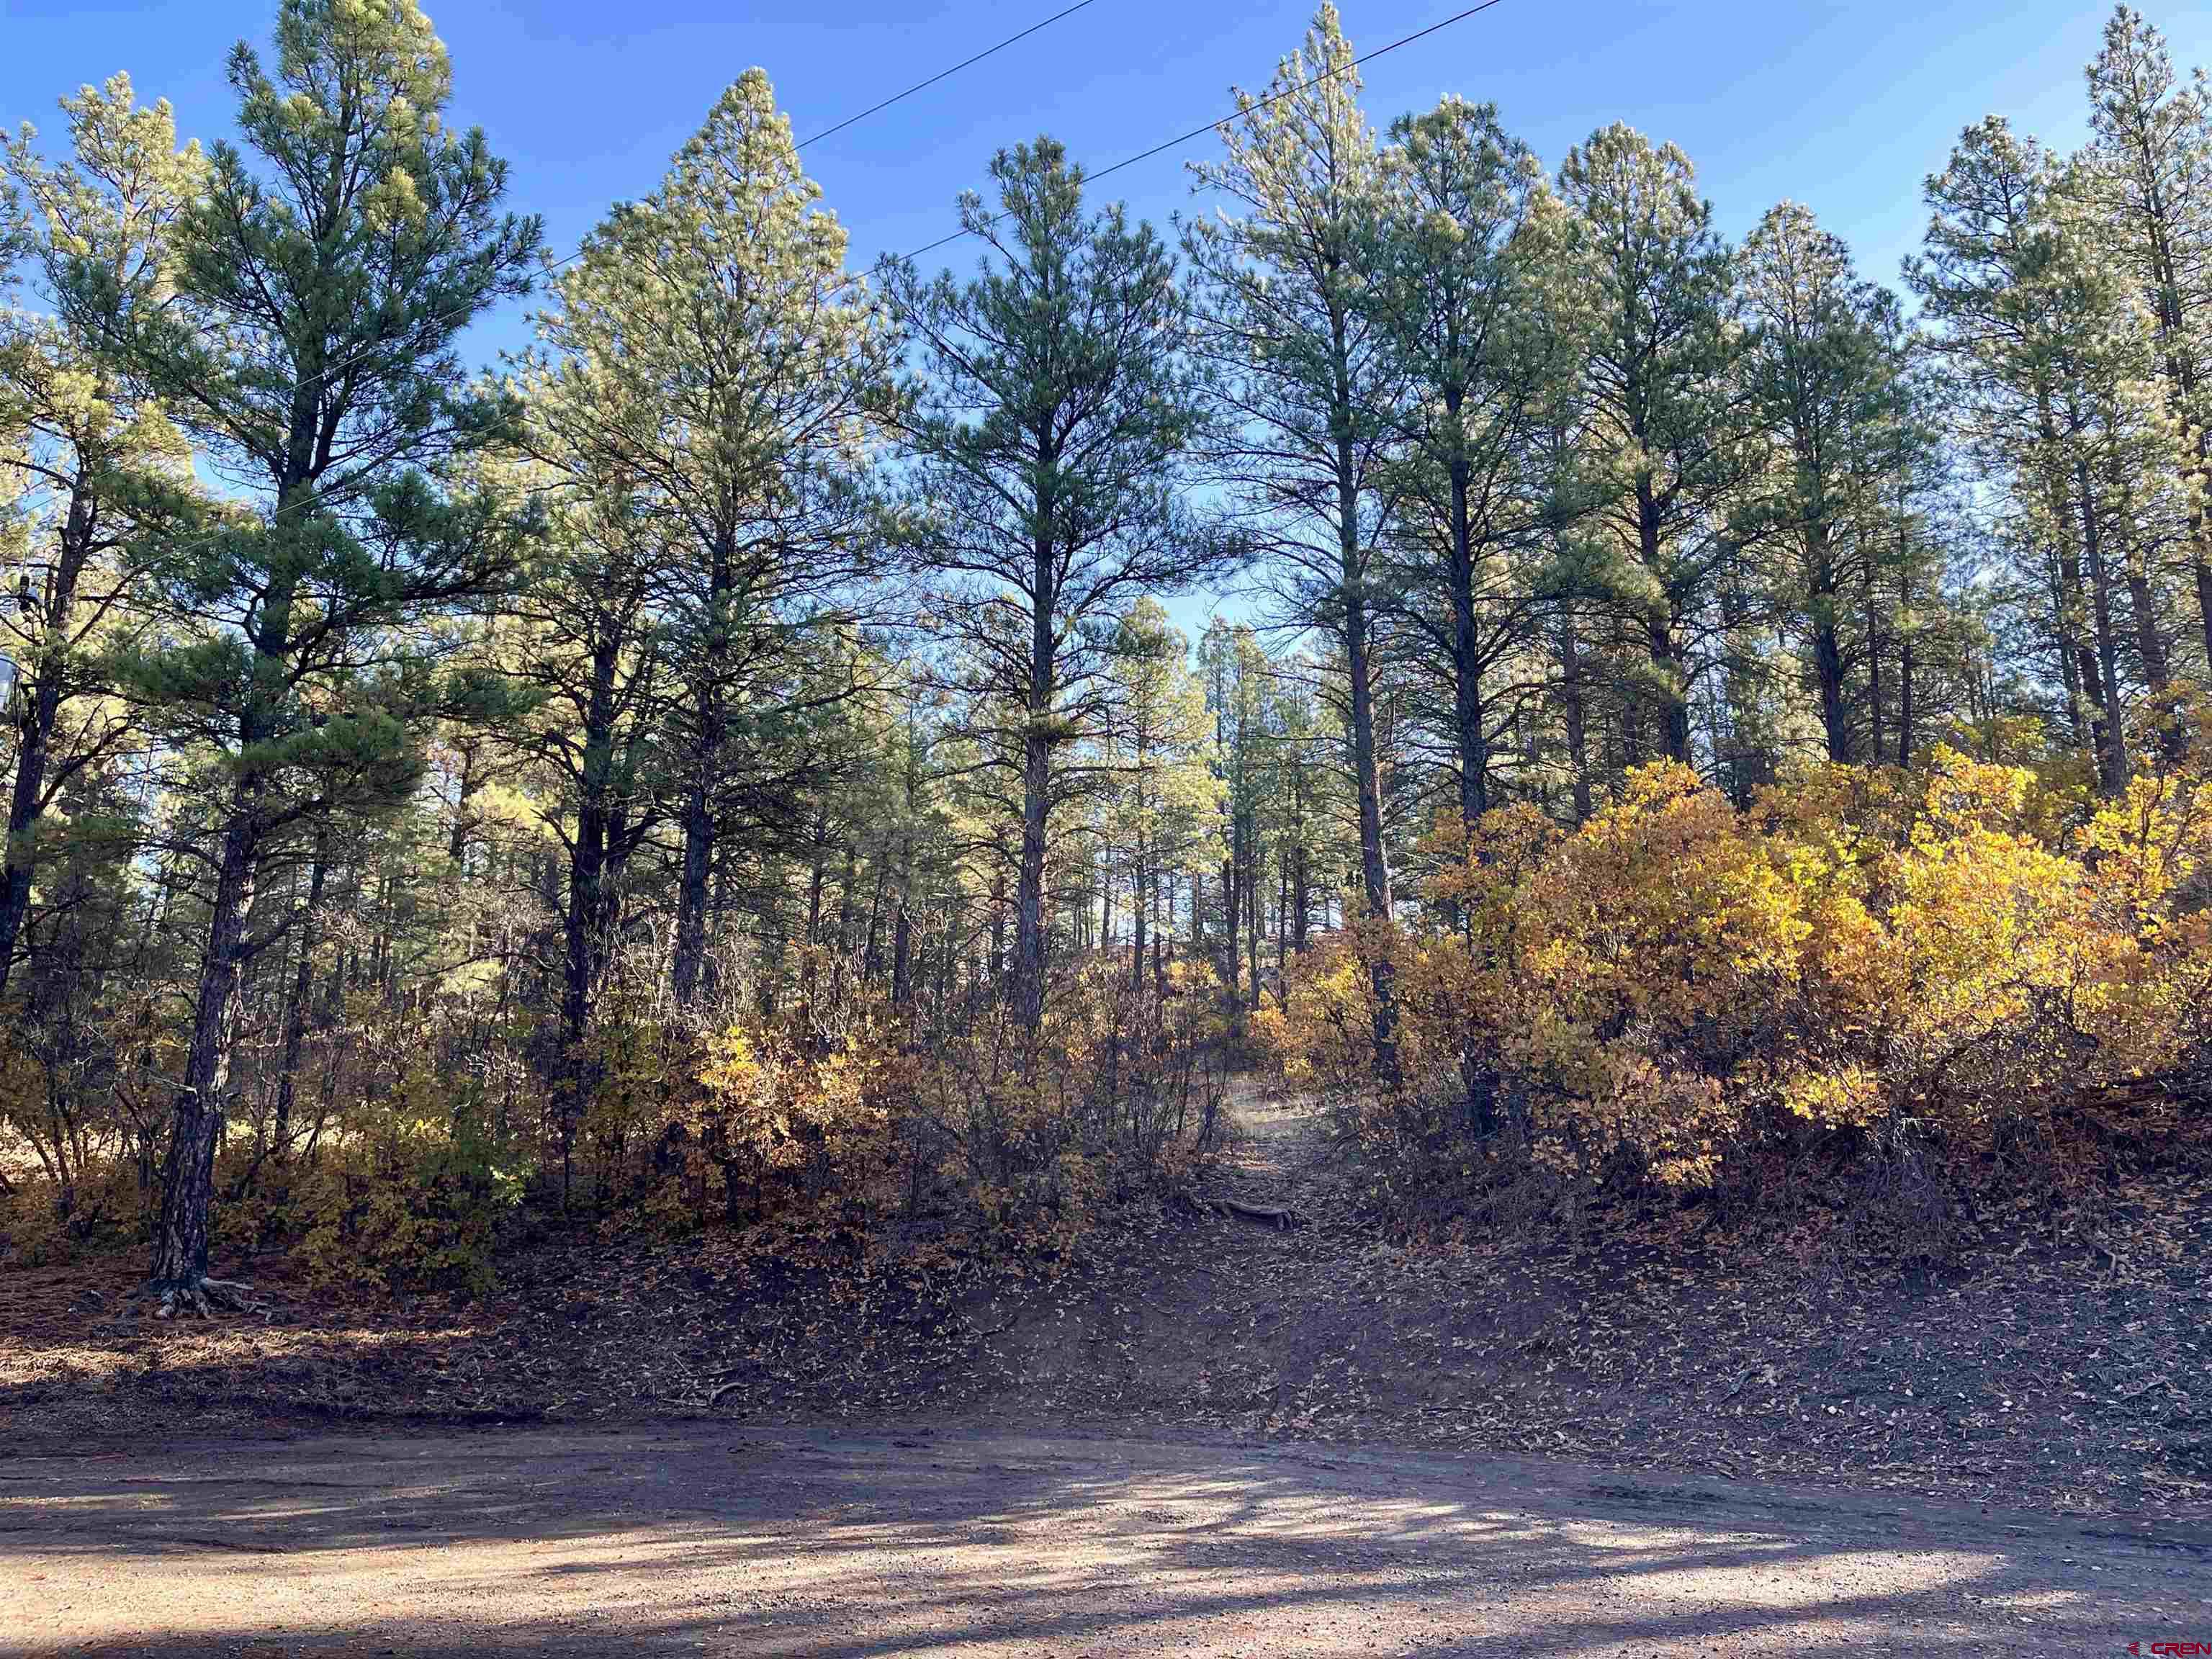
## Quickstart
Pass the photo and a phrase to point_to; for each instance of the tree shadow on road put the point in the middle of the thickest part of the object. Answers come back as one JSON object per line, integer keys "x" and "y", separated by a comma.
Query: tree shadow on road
{"x": 787, "y": 1543}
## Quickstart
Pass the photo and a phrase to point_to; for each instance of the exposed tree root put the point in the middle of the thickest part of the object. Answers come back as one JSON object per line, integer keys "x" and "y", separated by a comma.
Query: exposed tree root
{"x": 1283, "y": 1218}
{"x": 204, "y": 1296}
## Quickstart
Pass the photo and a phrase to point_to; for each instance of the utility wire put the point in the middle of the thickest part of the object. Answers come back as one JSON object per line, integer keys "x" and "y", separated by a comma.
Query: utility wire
{"x": 941, "y": 74}
{"x": 461, "y": 313}
{"x": 1162, "y": 147}
{"x": 1219, "y": 122}
{"x": 1181, "y": 138}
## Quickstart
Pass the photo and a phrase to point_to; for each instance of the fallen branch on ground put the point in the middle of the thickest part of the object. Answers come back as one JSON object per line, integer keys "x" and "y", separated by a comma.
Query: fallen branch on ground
{"x": 1285, "y": 1218}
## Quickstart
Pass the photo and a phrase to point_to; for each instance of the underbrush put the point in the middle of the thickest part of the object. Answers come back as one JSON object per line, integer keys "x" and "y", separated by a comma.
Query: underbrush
{"x": 414, "y": 1154}
{"x": 1902, "y": 994}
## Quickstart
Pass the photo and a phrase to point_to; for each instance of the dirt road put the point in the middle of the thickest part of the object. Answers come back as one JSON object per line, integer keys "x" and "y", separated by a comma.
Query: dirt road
{"x": 692, "y": 1539}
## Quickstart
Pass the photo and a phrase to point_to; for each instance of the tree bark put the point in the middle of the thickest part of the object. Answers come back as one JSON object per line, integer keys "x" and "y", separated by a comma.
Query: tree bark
{"x": 1823, "y": 604}
{"x": 1873, "y": 668}
{"x": 1572, "y": 713}
{"x": 2111, "y": 742}
{"x": 37, "y": 715}
{"x": 1036, "y": 786}
{"x": 1375, "y": 869}
{"x": 1666, "y": 657}
{"x": 1905, "y": 687}
{"x": 296, "y": 1013}
{"x": 180, "y": 1233}
{"x": 700, "y": 821}
{"x": 1467, "y": 711}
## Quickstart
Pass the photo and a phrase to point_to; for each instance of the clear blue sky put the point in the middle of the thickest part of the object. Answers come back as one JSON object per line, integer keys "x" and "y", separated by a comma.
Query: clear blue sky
{"x": 1843, "y": 107}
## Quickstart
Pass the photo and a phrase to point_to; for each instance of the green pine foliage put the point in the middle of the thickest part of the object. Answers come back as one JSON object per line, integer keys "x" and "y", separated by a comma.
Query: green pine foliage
{"x": 738, "y": 762}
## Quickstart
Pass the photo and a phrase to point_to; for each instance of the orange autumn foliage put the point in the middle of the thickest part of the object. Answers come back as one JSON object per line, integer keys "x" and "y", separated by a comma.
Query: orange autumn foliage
{"x": 1951, "y": 955}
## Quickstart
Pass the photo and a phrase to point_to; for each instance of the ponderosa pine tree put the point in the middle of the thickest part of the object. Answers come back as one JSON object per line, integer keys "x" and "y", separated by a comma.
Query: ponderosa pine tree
{"x": 582, "y": 643}
{"x": 1310, "y": 386}
{"x": 1664, "y": 421}
{"x": 1238, "y": 687}
{"x": 1049, "y": 437}
{"x": 1156, "y": 760}
{"x": 308, "y": 349}
{"x": 1822, "y": 378}
{"x": 2018, "y": 308}
{"x": 106, "y": 479}
{"x": 1309, "y": 787}
{"x": 1458, "y": 289}
{"x": 2146, "y": 178}
{"x": 735, "y": 373}
{"x": 2118, "y": 455}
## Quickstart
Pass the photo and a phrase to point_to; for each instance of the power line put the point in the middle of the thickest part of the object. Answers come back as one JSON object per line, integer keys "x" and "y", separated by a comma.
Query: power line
{"x": 462, "y": 313}
{"x": 1274, "y": 97}
{"x": 1245, "y": 108}
{"x": 1215, "y": 124}
{"x": 1162, "y": 147}
{"x": 941, "y": 74}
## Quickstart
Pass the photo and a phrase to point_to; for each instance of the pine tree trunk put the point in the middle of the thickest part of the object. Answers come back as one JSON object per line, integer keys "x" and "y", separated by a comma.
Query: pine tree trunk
{"x": 572, "y": 1093}
{"x": 464, "y": 790}
{"x": 1825, "y": 603}
{"x": 2181, "y": 380}
{"x": 998, "y": 920}
{"x": 872, "y": 957}
{"x": 1105, "y": 940}
{"x": 1905, "y": 687}
{"x": 586, "y": 911}
{"x": 35, "y": 729}
{"x": 1141, "y": 900}
{"x": 2070, "y": 659}
{"x": 1570, "y": 700}
{"x": 1874, "y": 671}
{"x": 1252, "y": 926}
{"x": 180, "y": 1234}
{"x": 1374, "y": 870}
{"x": 2150, "y": 639}
{"x": 1036, "y": 780}
{"x": 2111, "y": 742}
{"x": 1232, "y": 920}
{"x": 902, "y": 954}
{"x": 179, "y": 1272}
{"x": 691, "y": 893}
{"x": 1468, "y": 711}
{"x": 817, "y": 868}
{"x": 295, "y": 1014}
{"x": 36, "y": 717}
{"x": 709, "y": 695}
{"x": 1282, "y": 909}
{"x": 2079, "y": 669}
{"x": 2203, "y": 570}
{"x": 1164, "y": 886}
{"x": 1666, "y": 658}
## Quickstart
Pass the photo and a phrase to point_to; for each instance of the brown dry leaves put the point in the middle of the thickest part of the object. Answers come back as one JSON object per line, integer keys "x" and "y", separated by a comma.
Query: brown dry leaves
{"x": 2069, "y": 1366}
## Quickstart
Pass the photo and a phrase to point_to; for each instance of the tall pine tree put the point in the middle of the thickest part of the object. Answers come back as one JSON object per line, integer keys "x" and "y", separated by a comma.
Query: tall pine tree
{"x": 309, "y": 350}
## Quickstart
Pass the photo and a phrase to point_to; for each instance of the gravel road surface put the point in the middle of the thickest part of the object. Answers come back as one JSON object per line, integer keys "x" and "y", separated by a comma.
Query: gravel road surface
{"x": 709, "y": 1539}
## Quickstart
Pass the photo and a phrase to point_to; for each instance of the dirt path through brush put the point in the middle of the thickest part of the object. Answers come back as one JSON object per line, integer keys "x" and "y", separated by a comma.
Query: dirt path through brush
{"x": 702, "y": 1539}
{"x": 2063, "y": 1369}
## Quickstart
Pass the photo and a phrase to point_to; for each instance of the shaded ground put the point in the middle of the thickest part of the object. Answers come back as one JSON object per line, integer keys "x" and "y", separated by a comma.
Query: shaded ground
{"x": 2065, "y": 1369}
{"x": 709, "y": 1539}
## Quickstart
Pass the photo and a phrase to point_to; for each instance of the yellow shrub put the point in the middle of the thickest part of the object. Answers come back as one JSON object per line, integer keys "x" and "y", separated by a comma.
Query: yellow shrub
{"x": 411, "y": 1186}
{"x": 799, "y": 1123}
{"x": 1860, "y": 949}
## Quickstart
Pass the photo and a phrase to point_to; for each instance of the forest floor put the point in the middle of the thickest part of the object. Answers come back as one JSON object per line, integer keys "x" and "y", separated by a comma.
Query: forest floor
{"x": 2066, "y": 1366}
